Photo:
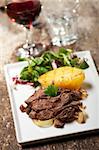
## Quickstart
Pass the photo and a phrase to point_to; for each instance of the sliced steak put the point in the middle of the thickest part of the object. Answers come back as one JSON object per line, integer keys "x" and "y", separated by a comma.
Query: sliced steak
{"x": 63, "y": 108}
{"x": 68, "y": 114}
{"x": 35, "y": 96}
{"x": 58, "y": 123}
{"x": 40, "y": 102}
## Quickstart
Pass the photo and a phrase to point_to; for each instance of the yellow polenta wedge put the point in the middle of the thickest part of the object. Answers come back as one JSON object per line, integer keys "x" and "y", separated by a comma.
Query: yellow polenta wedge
{"x": 64, "y": 77}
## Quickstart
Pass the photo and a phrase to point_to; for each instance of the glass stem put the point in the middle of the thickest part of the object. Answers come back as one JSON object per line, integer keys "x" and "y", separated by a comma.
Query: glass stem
{"x": 28, "y": 34}
{"x": 31, "y": 34}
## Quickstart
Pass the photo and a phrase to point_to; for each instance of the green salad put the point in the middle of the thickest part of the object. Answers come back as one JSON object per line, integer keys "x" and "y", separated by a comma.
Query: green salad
{"x": 49, "y": 61}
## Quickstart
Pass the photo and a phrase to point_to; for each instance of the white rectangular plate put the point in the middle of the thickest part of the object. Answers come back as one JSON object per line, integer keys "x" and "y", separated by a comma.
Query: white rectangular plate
{"x": 26, "y": 131}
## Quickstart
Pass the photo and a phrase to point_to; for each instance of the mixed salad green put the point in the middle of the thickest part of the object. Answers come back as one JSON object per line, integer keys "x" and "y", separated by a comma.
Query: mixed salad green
{"x": 49, "y": 61}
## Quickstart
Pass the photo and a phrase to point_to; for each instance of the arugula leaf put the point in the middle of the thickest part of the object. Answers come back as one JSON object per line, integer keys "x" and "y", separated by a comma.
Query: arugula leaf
{"x": 65, "y": 60}
{"x": 39, "y": 60}
{"x": 20, "y": 59}
{"x": 84, "y": 65}
{"x": 79, "y": 63}
{"x": 25, "y": 75}
{"x": 51, "y": 90}
{"x": 41, "y": 70}
{"x": 74, "y": 62}
{"x": 32, "y": 63}
{"x": 65, "y": 51}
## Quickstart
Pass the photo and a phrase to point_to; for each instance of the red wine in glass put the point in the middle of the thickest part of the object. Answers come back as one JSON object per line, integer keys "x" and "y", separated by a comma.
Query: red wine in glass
{"x": 24, "y": 12}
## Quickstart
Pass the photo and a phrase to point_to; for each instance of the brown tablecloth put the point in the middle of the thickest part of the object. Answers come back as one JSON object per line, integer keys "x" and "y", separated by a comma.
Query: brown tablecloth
{"x": 12, "y": 35}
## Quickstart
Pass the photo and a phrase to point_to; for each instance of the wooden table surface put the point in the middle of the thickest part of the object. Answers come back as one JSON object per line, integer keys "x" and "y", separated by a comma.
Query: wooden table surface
{"x": 10, "y": 36}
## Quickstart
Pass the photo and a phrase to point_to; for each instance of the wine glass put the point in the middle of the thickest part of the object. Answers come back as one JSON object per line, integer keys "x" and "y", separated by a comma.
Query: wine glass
{"x": 61, "y": 18}
{"x": 25, "y": 12}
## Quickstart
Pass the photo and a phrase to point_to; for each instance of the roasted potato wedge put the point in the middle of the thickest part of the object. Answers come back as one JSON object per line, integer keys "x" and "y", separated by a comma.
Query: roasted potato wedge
{"x": 64, "y": 77}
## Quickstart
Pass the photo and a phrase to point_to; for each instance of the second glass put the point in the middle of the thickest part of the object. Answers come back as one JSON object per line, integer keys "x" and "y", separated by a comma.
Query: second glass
{"x": 61, "y": 18}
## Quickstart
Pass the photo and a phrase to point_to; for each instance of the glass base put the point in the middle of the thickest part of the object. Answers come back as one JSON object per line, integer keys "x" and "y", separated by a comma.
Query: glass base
{"x": 68, "y": 40}
{"x": 65, "y": 40}
{"x": 30, "y": 50}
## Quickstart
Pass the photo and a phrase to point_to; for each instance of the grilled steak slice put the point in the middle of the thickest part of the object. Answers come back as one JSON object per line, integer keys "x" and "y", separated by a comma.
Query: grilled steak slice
{"x": 63, "y": 108}
{"x": 41, "y": 115}
{"x": 40, "y": 102}
{"x": 58, "y": 123}
{"x": 60, "y": 112}
{"x": 38, "y": 94}
{"x": 68, "y": 114}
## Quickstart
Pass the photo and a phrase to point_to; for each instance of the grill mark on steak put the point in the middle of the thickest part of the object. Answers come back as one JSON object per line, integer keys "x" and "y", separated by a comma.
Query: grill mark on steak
{"x": 63, "y": 108}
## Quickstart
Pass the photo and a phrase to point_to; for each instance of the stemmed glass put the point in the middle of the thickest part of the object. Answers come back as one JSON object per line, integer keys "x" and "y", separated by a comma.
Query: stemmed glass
{"x": 24, "y": 12}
